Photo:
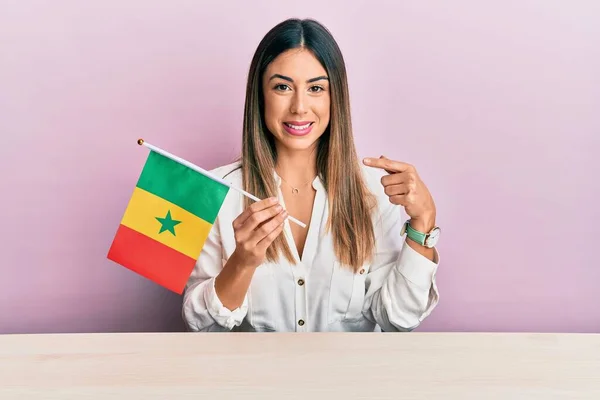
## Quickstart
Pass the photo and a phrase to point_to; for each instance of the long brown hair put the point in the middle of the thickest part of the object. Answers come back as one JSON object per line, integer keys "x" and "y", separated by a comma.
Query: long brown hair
{"x": 350, "y": 202}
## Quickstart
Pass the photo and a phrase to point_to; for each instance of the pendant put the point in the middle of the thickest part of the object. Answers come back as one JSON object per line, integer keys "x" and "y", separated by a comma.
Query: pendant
{"x": 295, "y": 190}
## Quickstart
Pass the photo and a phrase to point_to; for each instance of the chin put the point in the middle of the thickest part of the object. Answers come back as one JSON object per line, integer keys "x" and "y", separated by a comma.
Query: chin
{"x": 298, "y": 143}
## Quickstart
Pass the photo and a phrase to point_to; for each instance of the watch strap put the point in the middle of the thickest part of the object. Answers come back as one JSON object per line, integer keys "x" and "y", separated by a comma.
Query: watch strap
{"x": 414, "y": 234}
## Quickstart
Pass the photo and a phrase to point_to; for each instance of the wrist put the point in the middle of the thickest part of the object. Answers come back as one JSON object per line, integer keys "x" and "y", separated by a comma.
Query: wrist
{"x": 423, "y": 224}
{"x": 240, "y": 263}
{"x": 423, "y": 232}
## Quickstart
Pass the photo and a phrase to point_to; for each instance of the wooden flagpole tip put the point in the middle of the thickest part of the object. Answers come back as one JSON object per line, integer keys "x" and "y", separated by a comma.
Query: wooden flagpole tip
{"x": 140, "y": 141}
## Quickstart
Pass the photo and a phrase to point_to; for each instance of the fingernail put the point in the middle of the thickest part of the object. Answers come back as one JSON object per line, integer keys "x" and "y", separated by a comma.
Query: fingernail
{"x": 273, "y": 200}
{"x": 367, "y": 161}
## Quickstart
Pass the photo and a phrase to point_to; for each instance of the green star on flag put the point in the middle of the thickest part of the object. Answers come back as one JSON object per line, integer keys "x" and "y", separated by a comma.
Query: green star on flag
{"x": 167, "y": 223}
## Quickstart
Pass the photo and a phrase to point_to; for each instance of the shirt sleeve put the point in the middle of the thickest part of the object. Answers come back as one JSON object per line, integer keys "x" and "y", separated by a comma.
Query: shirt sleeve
{"x": 400, "y": 286}
{"x": 202, "y": 309}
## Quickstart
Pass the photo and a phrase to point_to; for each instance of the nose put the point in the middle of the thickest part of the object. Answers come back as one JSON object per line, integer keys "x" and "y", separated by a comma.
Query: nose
{"x": 298, "y": 105}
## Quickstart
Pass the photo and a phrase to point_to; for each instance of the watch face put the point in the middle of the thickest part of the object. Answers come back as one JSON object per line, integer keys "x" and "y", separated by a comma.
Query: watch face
{"x": 403, "y": 230}
{"x": 433, "y": 238}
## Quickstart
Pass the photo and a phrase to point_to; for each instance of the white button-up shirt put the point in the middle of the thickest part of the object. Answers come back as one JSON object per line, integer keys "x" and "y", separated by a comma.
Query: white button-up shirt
{"x": 394, "y": 292}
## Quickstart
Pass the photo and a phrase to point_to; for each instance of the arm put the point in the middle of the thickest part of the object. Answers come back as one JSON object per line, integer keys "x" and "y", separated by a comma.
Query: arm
{"x": 232, "y": 284}
{"x": 216, "y": 293}
{"x": 202, "y": 308}
{"x": 400, "y": 286}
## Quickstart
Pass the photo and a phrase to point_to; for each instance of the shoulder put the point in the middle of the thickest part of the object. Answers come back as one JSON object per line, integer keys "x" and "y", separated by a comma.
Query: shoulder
{"x": 230, "y": 172}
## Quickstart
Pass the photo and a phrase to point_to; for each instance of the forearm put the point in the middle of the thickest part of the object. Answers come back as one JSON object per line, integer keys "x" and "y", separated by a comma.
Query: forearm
{"x": 231, "y": 285}
{"x": 424, "y": 251}
{"x": 402, "y": 291}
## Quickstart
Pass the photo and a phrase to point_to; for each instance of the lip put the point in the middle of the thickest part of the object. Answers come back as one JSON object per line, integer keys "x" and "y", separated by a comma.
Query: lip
{"x": 298, "y": 123}
{"x": 298, "y": 132}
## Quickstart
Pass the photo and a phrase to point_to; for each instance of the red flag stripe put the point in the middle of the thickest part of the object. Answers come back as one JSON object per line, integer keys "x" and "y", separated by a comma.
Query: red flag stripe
{"x": 151, "y": 259}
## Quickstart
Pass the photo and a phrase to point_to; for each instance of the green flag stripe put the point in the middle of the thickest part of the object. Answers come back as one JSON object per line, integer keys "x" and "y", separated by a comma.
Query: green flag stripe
{"x": 183, "y": 186}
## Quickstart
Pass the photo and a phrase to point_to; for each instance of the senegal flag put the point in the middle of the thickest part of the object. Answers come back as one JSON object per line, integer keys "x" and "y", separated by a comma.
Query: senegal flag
{"x": 166, "y": 222}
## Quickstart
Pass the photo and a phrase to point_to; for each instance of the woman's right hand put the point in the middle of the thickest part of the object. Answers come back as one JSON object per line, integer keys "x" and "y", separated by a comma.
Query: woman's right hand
{"x": 255, "y": 229}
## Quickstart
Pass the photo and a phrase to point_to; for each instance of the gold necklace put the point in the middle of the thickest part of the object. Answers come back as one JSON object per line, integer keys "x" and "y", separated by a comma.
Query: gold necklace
{"x": 295, "y": 189}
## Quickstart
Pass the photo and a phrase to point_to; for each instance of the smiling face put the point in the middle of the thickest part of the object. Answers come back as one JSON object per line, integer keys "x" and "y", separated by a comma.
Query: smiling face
{"x": 297, "y": 99}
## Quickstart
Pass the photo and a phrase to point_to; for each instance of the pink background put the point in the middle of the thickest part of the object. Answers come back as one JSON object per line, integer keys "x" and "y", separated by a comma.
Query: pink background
{"x": 496, "y": 103}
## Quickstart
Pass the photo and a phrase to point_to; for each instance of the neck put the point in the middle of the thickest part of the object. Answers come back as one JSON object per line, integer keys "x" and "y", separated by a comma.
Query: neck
{"x": 297, "y": 167}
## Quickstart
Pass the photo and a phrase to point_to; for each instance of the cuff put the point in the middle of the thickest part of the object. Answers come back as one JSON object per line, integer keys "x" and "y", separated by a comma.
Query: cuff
{"x": 417, "y": 268}
{"x": 221, "y": 314}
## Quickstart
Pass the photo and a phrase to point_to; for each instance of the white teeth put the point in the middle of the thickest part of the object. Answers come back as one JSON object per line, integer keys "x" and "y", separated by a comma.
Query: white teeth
{"x": 298, "y": 128}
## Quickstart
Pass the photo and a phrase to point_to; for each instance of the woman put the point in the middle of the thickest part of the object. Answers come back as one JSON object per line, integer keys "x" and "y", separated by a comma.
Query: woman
{"x": 350, "y": 269}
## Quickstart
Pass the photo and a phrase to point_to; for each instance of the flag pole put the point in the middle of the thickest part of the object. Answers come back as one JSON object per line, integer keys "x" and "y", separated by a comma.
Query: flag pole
{"x": 204, "y": 172}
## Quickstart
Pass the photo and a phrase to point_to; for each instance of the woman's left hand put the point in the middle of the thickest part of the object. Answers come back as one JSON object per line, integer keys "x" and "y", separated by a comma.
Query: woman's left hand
{"x": 404, "y": 187}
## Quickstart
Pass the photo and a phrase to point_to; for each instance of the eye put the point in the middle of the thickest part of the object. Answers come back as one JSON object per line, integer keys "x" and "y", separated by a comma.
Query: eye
{"x": 282, "y": 87}
{"x": 316, "y": 89}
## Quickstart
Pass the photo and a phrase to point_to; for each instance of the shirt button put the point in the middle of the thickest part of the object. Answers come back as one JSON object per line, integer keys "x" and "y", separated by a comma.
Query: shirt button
{"x": 300, "y": 282}
{"x": 362, "y": 271}
{"x": 301, "y": 322}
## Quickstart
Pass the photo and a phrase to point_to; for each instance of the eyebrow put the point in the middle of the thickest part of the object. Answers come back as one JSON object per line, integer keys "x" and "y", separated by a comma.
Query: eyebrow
{"x": 287, "y": 78}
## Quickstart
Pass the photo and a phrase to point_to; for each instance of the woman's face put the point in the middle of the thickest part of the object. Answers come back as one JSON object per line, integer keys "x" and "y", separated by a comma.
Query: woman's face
{"x": 297, "y": 99}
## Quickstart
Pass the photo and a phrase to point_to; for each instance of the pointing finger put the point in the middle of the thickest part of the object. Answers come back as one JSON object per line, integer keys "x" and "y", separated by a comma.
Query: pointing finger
{"x": 390, "y": 166}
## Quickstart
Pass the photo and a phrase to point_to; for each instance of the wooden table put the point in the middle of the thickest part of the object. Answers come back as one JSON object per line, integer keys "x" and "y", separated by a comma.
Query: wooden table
{"x": 300, "y": 366}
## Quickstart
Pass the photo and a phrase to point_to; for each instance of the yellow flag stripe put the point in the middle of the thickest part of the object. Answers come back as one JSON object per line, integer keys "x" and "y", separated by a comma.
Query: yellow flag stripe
{"x": 141, "y": 215}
